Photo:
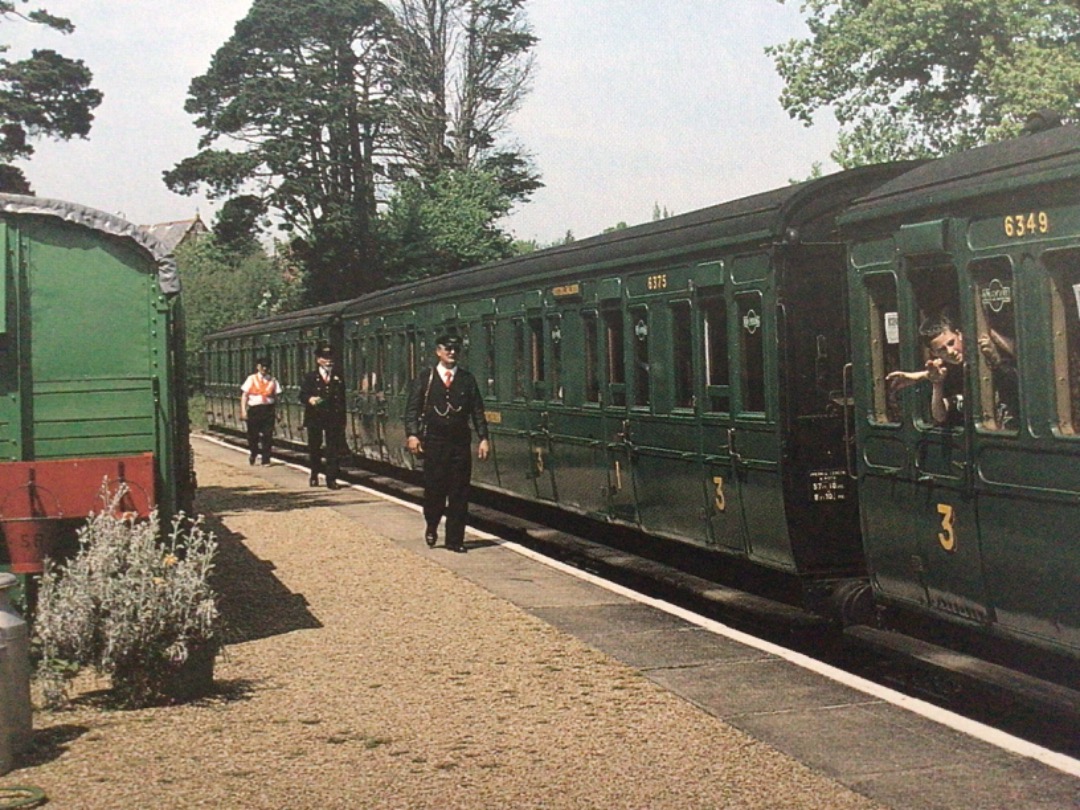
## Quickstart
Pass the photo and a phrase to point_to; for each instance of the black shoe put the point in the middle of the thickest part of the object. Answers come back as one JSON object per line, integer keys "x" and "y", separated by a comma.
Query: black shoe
{"x": 333, "y": 485}
{"x": 458, "y": 549}
{"x": 266, "y": 462}
{"x": 313, "y": 481}
{"x": 251, "y": 460}
{"x": 431, "y": 537}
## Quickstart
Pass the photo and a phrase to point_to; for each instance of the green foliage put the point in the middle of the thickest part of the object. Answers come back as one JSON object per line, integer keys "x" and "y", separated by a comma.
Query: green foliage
{"x": 445, "y": 225}
{"x": 311, "y": 107}
{"x": 297, "y": 90}
{"x": 46, "y": 95}
{"x": 130, "y": 604}
{"x": 236, "y": 228}
{"x": 223, "y": 288}
{"x": 916, "y": 78}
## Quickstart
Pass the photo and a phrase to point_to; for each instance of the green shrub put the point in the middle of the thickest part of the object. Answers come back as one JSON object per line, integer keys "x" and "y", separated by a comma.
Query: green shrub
{"x": 129, "y": 604}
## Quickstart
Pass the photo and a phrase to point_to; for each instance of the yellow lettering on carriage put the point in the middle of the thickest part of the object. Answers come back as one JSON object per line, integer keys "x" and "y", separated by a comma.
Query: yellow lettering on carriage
{"x": 1028, "y": 223}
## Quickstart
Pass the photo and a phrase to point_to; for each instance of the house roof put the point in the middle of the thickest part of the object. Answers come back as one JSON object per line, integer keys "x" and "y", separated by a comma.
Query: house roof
{"x": 173, "y": 233}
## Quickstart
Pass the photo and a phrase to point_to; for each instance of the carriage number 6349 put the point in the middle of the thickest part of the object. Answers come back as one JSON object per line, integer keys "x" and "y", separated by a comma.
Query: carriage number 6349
{"x": 1017, "y": 225}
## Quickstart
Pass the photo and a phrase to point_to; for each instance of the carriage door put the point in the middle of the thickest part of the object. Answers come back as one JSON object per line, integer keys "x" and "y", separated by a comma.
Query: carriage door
{"x": 946, "y": 562}
{"x": 538, "y": 391}
{"x": 919, "y": 517}
{"x": 724, "y": 512}
{"x": 620, "y": 490}
{"x": 753, "y": 443}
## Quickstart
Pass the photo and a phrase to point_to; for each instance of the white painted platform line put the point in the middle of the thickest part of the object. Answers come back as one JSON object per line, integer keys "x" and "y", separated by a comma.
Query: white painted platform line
{"x": 972, "y": 728}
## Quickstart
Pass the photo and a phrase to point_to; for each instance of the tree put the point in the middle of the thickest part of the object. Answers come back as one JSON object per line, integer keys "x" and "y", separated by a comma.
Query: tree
{"x": 299, "y": 89}
{"x": 47, "y": 95}
{"x": 460, "y": 69}
{"x": 446, "y": 224}
{"x": 915, "y": 78}
{"x": 223, "y": 288}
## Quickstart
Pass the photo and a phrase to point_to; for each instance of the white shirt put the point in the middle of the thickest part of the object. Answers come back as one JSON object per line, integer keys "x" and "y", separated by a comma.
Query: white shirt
{"x": 269, "y": 387}
{"x": 443, "y": 371}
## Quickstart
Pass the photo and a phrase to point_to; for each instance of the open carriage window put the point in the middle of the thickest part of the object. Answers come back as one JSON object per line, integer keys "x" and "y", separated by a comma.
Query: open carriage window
{"x": 940, "y": 338}
{"x": 995, "y": 347}
{"x": 591, "y": 331}
{"x": 717, "y": 367}
{"x": 1064, "y": 267}
{"x": 615, "y": 356}
{"x": 883, "y": 320}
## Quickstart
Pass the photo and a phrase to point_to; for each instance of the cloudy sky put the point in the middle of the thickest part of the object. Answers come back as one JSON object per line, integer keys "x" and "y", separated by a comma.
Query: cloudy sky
{"x": 635, "y": 103}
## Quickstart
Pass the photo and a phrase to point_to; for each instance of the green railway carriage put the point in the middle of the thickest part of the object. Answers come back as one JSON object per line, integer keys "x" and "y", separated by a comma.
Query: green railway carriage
{"x": 91, "y": 369}
{"x": 976, "y": 521}
{"x": 288, "y": 341}
{"x": 684, "y": 376}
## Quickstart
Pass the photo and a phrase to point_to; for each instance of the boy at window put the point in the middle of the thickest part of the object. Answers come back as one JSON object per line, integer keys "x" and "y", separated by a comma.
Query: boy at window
{"x": 944, "y": 371}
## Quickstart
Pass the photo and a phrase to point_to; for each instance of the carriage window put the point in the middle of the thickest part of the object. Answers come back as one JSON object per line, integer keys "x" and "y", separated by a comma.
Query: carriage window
{"x": 937, "y": 300}
{"x": 359, "y": 364}
{"x": 884, "y": 333}
{"x": 555, "y": 338}
{"x": 413, "y": 360}
{"x": 489, "y": 355}
{"x": 520, "y": 370}
{"x": 717, "y": 368}
{"x": 682, "y": 349}
{"x": 401, "y": 355}
{"x": 536, "y": 357}
{"x": 639, "y": 317}
{"x": 752, "y": 351}
{"x": 1064, "y": 267}
{"x": 378, "y": 384}
{"x": 995, "y": 351}
{"x": 592, "y": 361}
{"x": 615, "y": 354}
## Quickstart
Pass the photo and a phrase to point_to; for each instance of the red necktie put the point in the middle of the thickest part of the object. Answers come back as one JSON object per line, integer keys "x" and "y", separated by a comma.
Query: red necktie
{"x": 449, "y": 378}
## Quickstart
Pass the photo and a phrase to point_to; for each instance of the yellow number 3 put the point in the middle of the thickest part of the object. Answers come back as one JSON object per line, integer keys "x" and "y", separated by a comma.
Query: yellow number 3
{"x": 947, "y": 538}
{"x": 720, "y": 502}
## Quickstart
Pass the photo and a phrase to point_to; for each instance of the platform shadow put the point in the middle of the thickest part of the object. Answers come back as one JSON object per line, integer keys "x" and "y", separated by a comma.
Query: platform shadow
{"x": 253, "y": 602}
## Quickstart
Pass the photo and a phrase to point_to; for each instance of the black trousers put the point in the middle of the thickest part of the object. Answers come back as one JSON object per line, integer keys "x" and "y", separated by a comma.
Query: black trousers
{"x": 260, "y": 430}
{"x": 333, "y": 439}
{"x": 447, "y": 471}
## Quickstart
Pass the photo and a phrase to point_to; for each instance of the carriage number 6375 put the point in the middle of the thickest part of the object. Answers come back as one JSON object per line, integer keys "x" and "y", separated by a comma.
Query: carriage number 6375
{"x": 1017, "y": 225}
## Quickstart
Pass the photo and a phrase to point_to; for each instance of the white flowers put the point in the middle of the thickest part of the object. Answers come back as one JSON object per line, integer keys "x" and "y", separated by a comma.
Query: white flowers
{"x": 128, "y": 604}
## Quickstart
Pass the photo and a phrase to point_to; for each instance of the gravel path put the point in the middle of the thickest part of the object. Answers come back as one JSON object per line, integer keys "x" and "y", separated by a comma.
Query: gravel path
{"x": 362, "y": 675}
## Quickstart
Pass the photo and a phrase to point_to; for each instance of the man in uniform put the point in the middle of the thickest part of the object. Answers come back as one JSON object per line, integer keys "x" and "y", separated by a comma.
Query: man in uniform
{"x": 322, "y": 393}
{"x": 442, "y": 402}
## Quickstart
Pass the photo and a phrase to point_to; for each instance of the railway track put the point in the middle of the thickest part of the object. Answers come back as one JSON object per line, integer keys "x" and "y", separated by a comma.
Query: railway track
{"x": 1030, "y": 708}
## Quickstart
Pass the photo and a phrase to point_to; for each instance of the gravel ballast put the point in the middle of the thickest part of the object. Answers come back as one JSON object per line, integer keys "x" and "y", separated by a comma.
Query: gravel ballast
{"x": 362, "y": 675}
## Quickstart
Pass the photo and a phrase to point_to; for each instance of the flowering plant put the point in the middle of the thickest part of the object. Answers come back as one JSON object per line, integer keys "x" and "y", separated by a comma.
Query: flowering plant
{"x": 128, "y": 604}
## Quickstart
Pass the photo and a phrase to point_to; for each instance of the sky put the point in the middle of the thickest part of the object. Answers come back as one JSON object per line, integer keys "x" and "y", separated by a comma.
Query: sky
{"x": 634, "y": 103}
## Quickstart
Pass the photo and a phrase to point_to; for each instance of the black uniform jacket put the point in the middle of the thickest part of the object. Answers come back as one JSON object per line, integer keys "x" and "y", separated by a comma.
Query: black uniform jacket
{"x": 446, "y": 412}
{"x": 331, "y": 411}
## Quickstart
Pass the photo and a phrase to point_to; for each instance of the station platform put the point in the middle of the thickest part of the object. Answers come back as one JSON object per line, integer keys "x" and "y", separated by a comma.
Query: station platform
{"x": 369, "y": 671}
{"x": 895, "y": 750}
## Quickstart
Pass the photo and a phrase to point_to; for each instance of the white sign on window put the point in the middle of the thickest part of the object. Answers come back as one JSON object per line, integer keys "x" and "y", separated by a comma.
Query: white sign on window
{"x": 892, "y": 325}
{"x": 1076, "y": 292}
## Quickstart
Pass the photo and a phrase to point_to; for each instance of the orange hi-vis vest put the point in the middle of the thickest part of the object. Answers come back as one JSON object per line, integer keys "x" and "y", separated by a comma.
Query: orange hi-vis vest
{"x": 262, "y": 388}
